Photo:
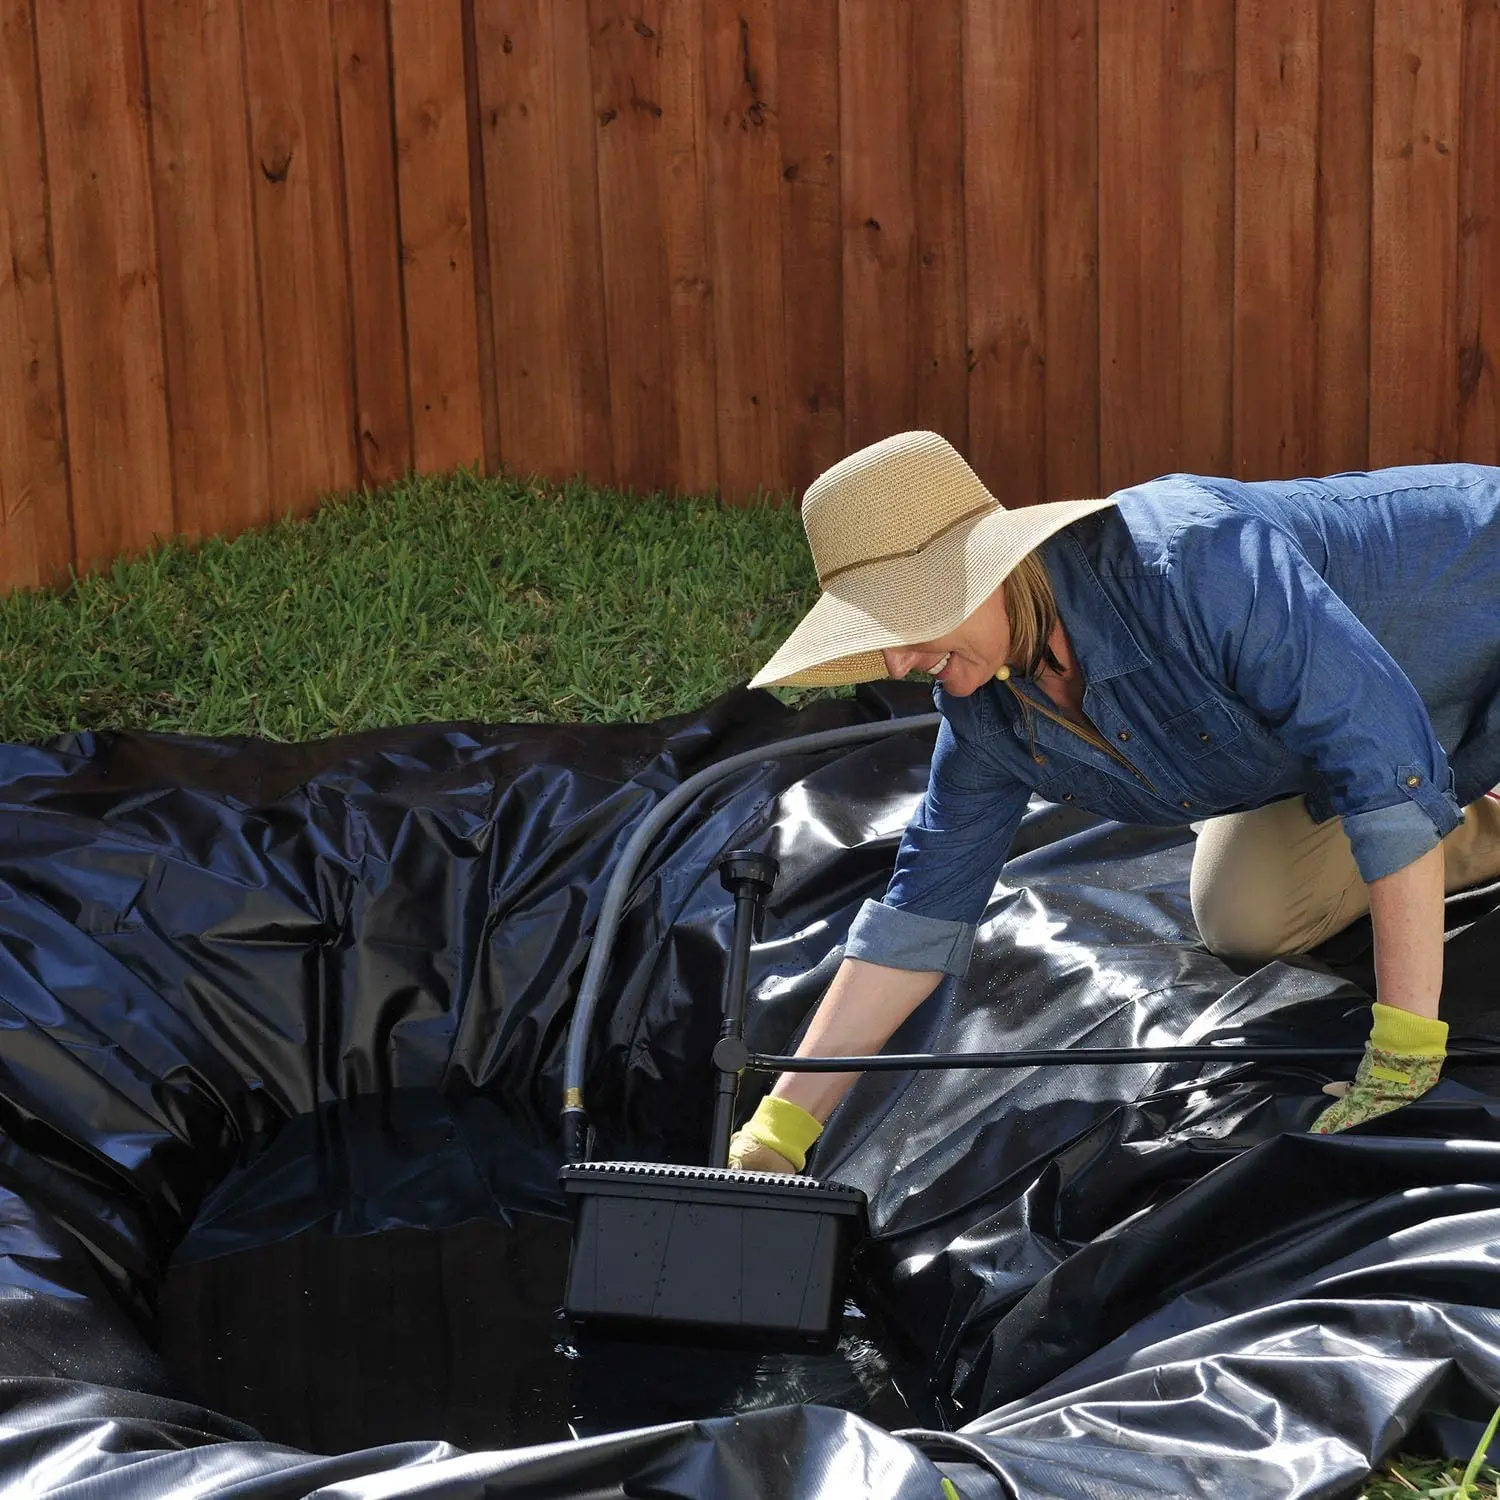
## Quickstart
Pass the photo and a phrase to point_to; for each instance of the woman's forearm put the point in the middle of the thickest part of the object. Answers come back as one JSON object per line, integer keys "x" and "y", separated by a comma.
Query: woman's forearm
{"x": 1406, "y": 912}
{"x": 858, "y": 1013}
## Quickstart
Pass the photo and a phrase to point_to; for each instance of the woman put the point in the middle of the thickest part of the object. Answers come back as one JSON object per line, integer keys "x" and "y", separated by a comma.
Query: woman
{"x": 1307, "y": 671}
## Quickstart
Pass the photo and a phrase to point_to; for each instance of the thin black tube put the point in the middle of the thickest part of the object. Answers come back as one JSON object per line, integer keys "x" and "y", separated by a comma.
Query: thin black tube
{"x": 1077, "y": 1057}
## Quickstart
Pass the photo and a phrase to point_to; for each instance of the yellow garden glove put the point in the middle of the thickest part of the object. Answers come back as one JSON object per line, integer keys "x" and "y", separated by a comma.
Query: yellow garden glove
{"x": 776, "y": 1138}
{"x": 1402, "y": 1061}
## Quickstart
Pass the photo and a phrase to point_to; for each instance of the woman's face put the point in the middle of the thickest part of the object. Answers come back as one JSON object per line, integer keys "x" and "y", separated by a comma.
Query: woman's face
{"x": 967, "y": 657}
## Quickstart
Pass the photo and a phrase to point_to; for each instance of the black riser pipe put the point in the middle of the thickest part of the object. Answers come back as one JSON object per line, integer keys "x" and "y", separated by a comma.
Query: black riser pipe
{"x": 727, "y": 1085}
{"x": 749, "y": 877}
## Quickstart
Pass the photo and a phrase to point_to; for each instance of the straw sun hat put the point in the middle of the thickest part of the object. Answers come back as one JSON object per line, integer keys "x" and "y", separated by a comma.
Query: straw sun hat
{"x": 908, "y": 544}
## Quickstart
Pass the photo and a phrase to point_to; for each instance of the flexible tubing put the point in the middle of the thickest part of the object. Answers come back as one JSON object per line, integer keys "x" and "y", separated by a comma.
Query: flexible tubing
{"x": 617, "y": 891}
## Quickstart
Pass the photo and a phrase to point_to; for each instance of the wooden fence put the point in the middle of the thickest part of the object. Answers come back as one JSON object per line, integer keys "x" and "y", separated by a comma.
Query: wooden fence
{"x": 254, "y": 251}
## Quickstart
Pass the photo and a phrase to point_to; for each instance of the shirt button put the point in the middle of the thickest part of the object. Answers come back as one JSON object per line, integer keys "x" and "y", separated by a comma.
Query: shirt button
{"x": 1067, "y": 796}
{"x": 1124, "y": 734}
{"x": 1187, "y": 804}
{"x": 1206, "y": 737}
{"x": 1041, "y": 760}
{"x": 1414, "y": 781}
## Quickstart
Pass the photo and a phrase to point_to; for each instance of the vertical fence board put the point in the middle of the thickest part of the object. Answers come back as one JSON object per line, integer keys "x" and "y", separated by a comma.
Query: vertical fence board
{"x": 576, "y": 164}
{"x": 744, "y": 175}
{"x": 694, "y": 460}
{"x": 484, "y": 302}
{"x": 941, "y": 338}
{"x": 1166, "y": 238}
{"x": 1413, "y": 275}
{"x": 629, "y": 115}
{"x": 878, "y": 191}
{"x": 1204, "y": 410}
{"x": 36, "y": 534}
{"x": 1341, "y": 390}
{"x": 437, "y": 239}
{"x": 368, "y": 148}
{"x": 104, "y": 247}
{"x": 648, "y": 109}
{"x": 808, "y": 65}
{"x": 1140, "y": 267}
{"x": 1003, "y": 247}
{"x": 206, "y": 241}
{"x": 1341, "y": 393}
{"x": 304, "y": 270}
{"x": 542, "y": 200}
{"x": 1479, "y": 243}
{"x": 1275, "y": 261}
{"x": 1070, "y": 155}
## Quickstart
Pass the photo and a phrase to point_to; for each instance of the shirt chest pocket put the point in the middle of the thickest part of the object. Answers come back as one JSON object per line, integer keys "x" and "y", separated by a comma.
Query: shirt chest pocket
{"x": 1209, "y": 729}
{"x": 1219, "y": 759}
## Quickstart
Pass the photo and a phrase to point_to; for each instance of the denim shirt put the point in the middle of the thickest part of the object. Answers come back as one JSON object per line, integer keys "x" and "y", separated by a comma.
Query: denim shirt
{"x": 1336, "y": 639}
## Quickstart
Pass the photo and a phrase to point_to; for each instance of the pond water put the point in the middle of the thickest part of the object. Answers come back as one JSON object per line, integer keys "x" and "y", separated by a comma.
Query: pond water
{"x": 369, "y": 1278}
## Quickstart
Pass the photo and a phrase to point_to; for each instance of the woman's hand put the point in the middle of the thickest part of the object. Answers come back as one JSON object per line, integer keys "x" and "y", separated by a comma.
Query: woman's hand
{"x": 776, "y": 1138}
{"x": 857, "y": 1015}
{"x": 1408, "y": 1043}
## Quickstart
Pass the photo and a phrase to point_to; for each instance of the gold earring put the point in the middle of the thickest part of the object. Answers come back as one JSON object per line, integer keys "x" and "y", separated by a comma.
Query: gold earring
{"x": 1003, "y": 675}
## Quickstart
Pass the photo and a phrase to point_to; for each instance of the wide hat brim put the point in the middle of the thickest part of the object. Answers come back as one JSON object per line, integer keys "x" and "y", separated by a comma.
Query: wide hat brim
{"x": 903, "y": 601}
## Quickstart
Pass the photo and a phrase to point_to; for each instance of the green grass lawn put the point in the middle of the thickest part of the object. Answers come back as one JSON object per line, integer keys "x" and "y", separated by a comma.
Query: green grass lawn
{"x": 462, "y": 597}
{"x": 439, "y": 599}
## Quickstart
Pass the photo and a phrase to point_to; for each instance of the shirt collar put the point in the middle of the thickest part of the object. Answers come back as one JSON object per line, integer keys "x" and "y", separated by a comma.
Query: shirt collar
{"x": 1101, "y": 640}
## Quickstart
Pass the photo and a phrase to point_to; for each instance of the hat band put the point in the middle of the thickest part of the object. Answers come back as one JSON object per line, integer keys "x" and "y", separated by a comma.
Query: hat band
{"x": 824, "y": 579}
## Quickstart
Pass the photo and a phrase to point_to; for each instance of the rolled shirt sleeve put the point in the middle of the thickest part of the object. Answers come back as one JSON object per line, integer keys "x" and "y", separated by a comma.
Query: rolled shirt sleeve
{"x": 901, "y": 939}
{"x": 948, "y": 864}
{"x": 1260, "y": 616}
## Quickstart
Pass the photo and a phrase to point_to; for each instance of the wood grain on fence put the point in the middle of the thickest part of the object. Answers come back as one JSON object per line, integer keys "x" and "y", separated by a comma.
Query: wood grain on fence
{"x": 1202, "y": 422}
{"x": 1069, "y": 105}
{"x": 378, "y": 314}
{"x": 1275, "y": 236}
{"x": 36, "y": 529}
{"x": 1479, "y": 234}
{"x": 105, "y": 275}
{"x": 1004, "y": 250}
{"x": 1143, "y": 312}
{"x": 1414, "y": 231}
{"x": 253, "y": 254}
{"x": 537, "y": 133}
{"x": 878, "y": 135}
{"x": 742, "y": 99}
{"x": 1342, "y": 317}
{"x": 437, "y": 240}
{"x": 302, "y": 250}
{"x": 215, "y": 365}
{"x": 812, "y": 239}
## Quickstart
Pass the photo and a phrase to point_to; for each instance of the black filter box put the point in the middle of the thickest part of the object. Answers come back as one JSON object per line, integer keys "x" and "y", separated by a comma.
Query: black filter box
{"x": 706, "y": 1255}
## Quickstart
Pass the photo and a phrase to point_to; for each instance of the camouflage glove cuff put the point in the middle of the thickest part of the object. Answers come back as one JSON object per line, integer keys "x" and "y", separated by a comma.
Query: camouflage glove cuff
{"x": 1402, "y": 1060}
{"x": 777, "y": 1125}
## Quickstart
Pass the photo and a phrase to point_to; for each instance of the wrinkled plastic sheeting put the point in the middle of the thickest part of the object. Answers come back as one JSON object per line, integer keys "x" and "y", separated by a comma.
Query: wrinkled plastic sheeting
{"x": 1127, "y": 1280}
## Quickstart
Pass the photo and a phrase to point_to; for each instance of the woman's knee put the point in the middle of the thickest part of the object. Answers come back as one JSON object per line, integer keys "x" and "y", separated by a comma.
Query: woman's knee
{"x": 1242, "y": 919}
{"x": 1273, "y": 882}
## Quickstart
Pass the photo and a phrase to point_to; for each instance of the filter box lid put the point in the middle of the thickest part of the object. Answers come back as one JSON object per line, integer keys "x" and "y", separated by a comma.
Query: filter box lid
{"x": 668, "y": 1183}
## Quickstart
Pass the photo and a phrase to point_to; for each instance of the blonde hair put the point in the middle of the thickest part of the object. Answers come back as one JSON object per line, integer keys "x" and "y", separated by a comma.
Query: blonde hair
{"x": 1032, "y": 608}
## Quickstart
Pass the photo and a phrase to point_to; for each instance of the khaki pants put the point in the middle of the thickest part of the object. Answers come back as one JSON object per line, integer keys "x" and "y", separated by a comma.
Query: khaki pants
{"x": 1272, "y": 881}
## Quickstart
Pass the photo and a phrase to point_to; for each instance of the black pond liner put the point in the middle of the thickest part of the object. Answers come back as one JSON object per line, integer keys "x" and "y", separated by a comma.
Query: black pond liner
{"x": 295, "y": 1015}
